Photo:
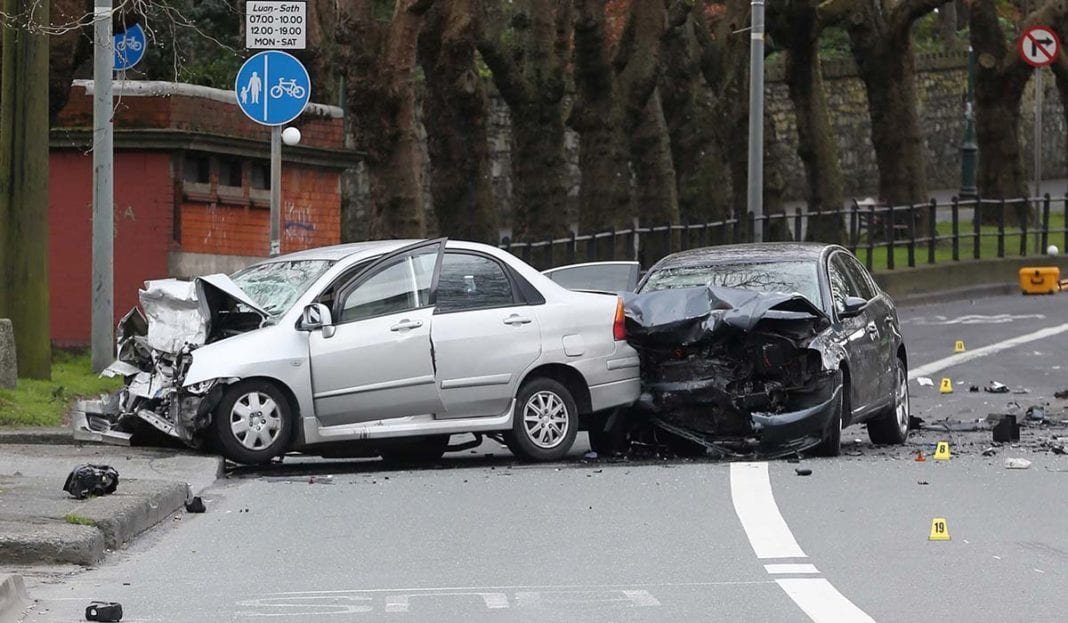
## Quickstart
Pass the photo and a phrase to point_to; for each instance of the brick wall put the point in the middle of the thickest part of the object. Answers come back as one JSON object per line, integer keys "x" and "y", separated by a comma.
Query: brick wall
{"x": 144, "y": 192}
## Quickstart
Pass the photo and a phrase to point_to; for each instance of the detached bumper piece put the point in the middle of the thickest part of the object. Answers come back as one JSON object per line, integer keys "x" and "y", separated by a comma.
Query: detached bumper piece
{"x": 738, "y": 372}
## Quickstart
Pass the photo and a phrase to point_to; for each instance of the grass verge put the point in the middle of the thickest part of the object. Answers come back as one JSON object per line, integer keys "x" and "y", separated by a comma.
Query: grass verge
{"x": 78, "y": 520}
{"x": 44, "y": 403}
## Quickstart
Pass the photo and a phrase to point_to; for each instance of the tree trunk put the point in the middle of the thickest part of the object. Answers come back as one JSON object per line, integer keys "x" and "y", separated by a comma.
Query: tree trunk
{"x": 656, "y": 192}
{"x": 460, "y": 179}
{"x": 380, "y": 64}
{"x": 529, "y": 65}
{"x": 887, "y": 69}
{"x": 321, "y": 55}
{"x": 816, "y": 145}
{"x": 67, "y": 52}
{"x": 24, "y": 188}
{"x": 947, "y": 26}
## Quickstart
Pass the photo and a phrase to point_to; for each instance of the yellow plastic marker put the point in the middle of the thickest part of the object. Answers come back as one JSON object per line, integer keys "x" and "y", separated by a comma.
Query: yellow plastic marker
{"x": 939, "y": 530}
{"x": 942, "y": 451}
{"x": 958, "y": 346}
{"x": 946, "y": 386}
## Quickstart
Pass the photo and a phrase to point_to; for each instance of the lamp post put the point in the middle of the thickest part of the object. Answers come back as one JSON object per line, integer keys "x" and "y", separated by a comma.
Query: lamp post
{"x": 969, "y": 150}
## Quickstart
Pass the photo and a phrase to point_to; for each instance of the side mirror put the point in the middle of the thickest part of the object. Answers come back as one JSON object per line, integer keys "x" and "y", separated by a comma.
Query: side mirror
{"x": 853, "y": 306}
{"x": 315, "y": 316}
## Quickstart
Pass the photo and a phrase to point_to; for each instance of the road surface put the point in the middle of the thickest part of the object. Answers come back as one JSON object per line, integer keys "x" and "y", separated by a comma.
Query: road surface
{"x": 488, "y": 540}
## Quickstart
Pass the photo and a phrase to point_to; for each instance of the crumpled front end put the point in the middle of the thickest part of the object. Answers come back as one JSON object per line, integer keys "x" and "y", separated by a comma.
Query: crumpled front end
{"x": 736, "y": 371}
{"x": 154, "y": 351}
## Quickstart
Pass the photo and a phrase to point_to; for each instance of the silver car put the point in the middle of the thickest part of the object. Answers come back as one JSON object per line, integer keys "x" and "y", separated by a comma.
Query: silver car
{"x": 395, "y": 344}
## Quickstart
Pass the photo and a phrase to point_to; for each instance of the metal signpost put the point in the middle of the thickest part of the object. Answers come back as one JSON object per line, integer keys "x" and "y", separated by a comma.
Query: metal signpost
{"x": 130, "y": 47}
{"x": 1038, "y": 47}
{"x": 103, "y": 308}
{"x": 272, "y": 89}
{"x": 756, "y": 120}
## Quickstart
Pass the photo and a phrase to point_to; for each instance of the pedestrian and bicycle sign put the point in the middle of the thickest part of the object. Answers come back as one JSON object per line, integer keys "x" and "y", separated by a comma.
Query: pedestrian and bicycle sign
{"x": 1039, "y": 46}
{"x": 272, "y": 88}
{"x": 129, "y": 47}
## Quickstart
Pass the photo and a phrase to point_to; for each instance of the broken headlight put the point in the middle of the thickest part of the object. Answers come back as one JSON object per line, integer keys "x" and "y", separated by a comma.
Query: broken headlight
{"x": 199, "y": 389}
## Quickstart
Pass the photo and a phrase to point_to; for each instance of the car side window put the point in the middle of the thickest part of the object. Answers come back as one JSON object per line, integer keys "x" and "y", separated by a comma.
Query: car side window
{"x": 842, "y": 286}
{"x": 399, "y": 286}
{"x": 860, "y": 277}
{"x": 469, "y": 282}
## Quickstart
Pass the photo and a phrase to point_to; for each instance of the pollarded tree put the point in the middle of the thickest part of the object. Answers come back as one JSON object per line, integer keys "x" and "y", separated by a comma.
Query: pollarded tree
{"x": 379, "y": 60}
{"x": 455, "y": 108}
{"x": 528, "y": 52}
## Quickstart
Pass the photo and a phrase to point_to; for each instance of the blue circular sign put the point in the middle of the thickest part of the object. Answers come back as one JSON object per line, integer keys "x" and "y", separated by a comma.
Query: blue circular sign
{"x": 272, "y": 88}
{"x": 129, "y": 47}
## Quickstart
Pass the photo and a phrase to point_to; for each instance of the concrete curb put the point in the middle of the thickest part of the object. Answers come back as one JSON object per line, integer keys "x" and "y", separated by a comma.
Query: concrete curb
{"x": 120, "y": 525}
{"x": 38, "y": 436}
{"x": 13, "y": 598}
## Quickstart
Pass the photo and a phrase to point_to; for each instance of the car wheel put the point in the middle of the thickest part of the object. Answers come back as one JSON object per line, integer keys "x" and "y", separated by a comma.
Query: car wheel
{"x": 253, "y": 423}
{"x": 832, "y": 442}
{"x": 424, "y": 450}
{"x": 606, "y": 433}
{"x": 545, "y": 422}
{"x": 892, "y": 426}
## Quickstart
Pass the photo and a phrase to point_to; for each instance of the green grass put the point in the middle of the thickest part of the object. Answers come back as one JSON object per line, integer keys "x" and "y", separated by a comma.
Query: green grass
{"x": 988, "y": 245}
{"x": 44, "y": 403}
{"x": 78, "y": 520}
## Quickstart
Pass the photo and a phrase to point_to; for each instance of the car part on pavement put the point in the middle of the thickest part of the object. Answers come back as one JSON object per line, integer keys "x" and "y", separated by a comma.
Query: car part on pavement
{"x": 91, "y": 481}
{"x": 1012, "y": 463}
{"x": 1007, "y": 430}
{"x": 196, "y": 505}
{"x": 108, "y": 611}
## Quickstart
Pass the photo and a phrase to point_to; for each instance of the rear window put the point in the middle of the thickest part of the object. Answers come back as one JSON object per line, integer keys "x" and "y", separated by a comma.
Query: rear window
{"x": 780, "y": 277}
{"x": 597, "y": 277}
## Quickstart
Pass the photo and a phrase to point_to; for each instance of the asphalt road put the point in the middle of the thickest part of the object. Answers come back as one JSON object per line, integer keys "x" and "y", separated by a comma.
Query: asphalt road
{"x": 484, "y": 539}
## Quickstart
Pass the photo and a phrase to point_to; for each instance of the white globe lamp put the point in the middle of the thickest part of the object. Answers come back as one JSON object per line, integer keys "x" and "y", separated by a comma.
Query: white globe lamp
{"x": 291, "y": 136}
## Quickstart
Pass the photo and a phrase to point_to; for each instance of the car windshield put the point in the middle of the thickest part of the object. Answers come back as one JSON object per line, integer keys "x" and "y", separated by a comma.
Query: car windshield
{"x": 782, "y": 277}
{"x": 275, "y": 286}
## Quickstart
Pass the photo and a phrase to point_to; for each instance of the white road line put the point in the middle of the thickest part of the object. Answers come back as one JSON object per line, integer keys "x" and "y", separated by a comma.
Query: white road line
{"x": 822, "y": 602}
{"x": 791, "y": 568}
{"x": 954, "y": 360}
{"x": 755, "y": 505}
{"x": 409, "y": 589}
{"x": 770, "y": 537}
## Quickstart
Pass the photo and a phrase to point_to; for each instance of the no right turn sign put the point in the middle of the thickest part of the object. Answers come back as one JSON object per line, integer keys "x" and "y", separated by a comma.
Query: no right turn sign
{"x": 1039, "y": 46}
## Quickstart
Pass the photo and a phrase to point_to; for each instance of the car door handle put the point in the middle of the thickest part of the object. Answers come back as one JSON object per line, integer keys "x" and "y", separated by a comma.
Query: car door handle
{"x": 516, "y": 320}
{"x": 872, "y": 328}
{"x": 405, "y": 325}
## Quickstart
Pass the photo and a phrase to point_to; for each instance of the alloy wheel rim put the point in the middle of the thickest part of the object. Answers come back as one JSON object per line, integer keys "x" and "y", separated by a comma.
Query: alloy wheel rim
{"x": 901, "y": 405}
{"x": 545, "y": 419}
{"x": 255, "y": 421}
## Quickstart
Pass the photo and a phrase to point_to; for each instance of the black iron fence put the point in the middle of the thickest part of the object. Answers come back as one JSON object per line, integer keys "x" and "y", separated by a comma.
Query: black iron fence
{"x": 884, "y": 237}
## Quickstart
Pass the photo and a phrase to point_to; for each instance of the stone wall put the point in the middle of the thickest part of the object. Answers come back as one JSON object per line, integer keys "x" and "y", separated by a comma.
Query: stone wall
{"x": 941, "y": 85}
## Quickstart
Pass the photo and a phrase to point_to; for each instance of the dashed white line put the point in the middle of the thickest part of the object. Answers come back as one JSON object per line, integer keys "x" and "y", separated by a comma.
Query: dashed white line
{"x": 770, "y": 537}
{"x": 755, "y": 505}
{"x": 822, "y": 602}
{"x": 955, "y": 360}
{"x": 791, "y": 568}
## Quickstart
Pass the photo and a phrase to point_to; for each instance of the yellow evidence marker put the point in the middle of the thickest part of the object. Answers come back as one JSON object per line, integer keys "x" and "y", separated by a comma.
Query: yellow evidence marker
{"x": 946, "y": 386}
{"x": 958, "y": 346}
{"x": 939, "y": 530}
{"x": 942, "y": 451}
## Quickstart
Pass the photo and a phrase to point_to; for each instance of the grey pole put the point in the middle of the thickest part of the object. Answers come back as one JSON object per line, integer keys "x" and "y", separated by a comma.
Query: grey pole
{"x": 276, "y": 189}
{"x": 103, "y": 320}
{"x": 1038, "y": 150}
{"x": 756, "y": 120}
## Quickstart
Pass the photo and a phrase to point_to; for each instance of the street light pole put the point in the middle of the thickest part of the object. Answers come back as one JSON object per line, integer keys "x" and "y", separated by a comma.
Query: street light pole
{"x": 102, "y": 318}
{"x": 755, "y": 195}
{"x": 968, "y": 148}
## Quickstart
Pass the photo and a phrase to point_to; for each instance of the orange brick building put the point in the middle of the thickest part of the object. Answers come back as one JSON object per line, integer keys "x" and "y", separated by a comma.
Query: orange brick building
{"x": 192, "y": 191}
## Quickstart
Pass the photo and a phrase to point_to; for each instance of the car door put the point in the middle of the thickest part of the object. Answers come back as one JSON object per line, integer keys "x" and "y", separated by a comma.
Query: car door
{"x": 484, "y": 335}
{"x": 859, "y": 339}
{"x": 376, "y": 361}
{"x": 877, "y": 314}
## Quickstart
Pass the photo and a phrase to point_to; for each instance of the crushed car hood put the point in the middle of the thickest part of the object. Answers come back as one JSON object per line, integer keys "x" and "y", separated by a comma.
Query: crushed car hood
{"x": 738, "y": 371}
{"x": 154, "y": 352}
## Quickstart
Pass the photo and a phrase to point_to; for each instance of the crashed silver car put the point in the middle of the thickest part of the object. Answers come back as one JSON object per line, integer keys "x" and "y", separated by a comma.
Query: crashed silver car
{"x": 385, "y": 347}
{"x": 763, "y": 349}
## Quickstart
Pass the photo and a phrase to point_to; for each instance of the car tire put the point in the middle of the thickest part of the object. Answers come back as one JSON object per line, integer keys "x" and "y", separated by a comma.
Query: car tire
{"x": 417, "y": 451}
{"x": 253, "y": 422}
{"x": 606, "y": 433}
{"x": 545, "y": 421}
{"x": 832, "y": 442}
{"x": 892, "y": 426}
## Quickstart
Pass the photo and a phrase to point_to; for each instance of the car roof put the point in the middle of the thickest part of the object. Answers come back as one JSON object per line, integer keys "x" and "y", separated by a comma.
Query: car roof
{"x": 340, "y": 251}
{"x": 747, "y": 253}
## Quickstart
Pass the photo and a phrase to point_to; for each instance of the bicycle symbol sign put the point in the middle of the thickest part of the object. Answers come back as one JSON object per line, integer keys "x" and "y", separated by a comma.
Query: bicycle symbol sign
{"x": 129, "y": 47}
{"x": 272, "y": 88}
